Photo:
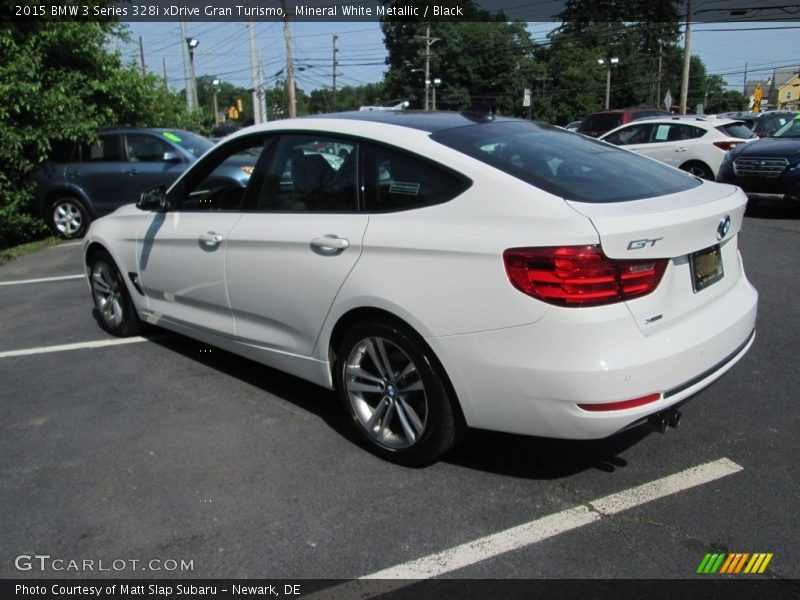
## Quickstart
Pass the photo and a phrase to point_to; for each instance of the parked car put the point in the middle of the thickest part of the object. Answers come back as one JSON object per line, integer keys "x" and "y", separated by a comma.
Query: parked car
{"x": 450, "y": 271}
{"x": 82, "y": 182}
{"x": 694, "y": 144}
{"x": 762, "y": 123}
{"x": 768, "y": 168}
{"x": 573, "y": 126}
{"x": 596, "y": 124}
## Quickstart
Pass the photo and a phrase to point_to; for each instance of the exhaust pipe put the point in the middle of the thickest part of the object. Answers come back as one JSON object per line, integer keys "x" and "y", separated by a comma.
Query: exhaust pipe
{"x": 660, "y": 421}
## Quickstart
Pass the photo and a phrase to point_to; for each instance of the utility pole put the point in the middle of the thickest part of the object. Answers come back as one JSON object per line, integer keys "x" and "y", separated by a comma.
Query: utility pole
{"x": 262, "y": 90}
{"x": 251, "y": 39}
{"x": 187, "y": 75}
{"x": 335, "y": 64}
{"x": 745, "y": 102}
{"x": 687, "y": 55}
{"x": 658, "y": 77}
{"x": 141, "y": 56}
{"x": 429, "y": 41}
{"x": 287, "y": 35}
{"x": 164, "y": 65}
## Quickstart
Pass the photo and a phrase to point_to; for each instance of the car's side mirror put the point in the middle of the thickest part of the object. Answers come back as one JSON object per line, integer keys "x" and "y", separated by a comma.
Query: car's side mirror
{"x": 154, "y": 199}
{"x": 172, "y": 157}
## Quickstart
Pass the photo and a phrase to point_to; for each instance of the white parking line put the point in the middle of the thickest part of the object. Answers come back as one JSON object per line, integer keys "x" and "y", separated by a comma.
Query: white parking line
{"x": 42, "y": 280}
{"x": 470, "y": 553}
{"x": 75, "y": 346}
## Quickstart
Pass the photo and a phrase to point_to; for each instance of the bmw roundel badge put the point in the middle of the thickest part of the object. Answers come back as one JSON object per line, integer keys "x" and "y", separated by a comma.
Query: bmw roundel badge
{"x": 724, "y": 227}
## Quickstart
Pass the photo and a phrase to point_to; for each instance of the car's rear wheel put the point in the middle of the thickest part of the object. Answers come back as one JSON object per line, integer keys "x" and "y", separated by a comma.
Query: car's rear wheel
{"x": 114, "y": 308}
{"x": 68, "y": 217}
{"x": 395, "y": 393}
{"x": 699, "y": 169}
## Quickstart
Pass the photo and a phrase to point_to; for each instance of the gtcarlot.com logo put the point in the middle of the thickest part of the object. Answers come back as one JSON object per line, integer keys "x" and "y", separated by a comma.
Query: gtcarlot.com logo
{"x": 45, "y": 562}
{"x": 733, "y": 563}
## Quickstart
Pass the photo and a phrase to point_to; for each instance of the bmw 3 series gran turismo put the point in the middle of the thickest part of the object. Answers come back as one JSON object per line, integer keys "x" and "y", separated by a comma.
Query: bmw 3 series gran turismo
{"x": 442, "y": 271}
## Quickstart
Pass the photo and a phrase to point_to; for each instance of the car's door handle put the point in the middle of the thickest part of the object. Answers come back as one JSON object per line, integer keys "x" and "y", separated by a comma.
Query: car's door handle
{"x": 682, "y": 149}
{"x": 330, "y": 244}
{"x": 132, "y": 172}
{"x": 211, "y": 239}
{"x": 74, "y": 173}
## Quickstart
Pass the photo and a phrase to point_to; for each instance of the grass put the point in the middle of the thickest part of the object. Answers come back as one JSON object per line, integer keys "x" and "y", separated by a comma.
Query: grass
{"x": 10, "y": 254}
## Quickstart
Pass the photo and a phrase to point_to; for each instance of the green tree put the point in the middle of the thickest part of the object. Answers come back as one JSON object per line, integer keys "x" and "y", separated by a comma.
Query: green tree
{"x": 482, "y": 60}
{"x": 60, "y": 81}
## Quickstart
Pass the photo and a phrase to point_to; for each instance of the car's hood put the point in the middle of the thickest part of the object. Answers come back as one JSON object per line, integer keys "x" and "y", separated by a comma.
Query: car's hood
{"x": 768, "y": 147}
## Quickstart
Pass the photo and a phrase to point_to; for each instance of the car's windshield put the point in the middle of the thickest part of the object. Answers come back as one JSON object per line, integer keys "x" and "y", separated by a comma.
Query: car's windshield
{"x": 566, "y": 164}
{"x": 194, "y": 144}
{"x": 790, "y": 129}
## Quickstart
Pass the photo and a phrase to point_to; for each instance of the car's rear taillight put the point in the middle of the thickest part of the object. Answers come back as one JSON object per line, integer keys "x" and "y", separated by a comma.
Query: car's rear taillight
{"x": 580, "y": 275}
{"x": 725, "y": 146}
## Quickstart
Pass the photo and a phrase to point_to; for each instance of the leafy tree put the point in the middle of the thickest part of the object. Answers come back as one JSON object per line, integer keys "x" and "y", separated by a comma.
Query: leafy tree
{"x": 60, "y": 81}
{"x": 482, "y": 60}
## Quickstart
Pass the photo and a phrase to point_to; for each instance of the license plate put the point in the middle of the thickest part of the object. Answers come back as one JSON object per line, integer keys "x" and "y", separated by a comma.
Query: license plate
{"x": 706, "y": 267}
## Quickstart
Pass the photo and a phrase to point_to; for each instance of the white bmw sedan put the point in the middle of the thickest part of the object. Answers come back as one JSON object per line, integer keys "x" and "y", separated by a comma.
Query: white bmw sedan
{"x": 443, "y": 271}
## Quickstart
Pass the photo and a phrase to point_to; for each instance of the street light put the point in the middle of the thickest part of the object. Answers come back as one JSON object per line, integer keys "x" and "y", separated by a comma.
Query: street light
{"x": 215, "y": 83}
{"x": 192, "y": 44}
{"x": 436, "y": 83}
{"x": 608, "y": 63}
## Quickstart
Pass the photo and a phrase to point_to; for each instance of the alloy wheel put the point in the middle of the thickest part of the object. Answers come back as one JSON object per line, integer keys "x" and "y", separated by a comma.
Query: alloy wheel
{"x": 386, "y": 393}
{"x": 67, "y": 219}
{"x": 107, "y": 294}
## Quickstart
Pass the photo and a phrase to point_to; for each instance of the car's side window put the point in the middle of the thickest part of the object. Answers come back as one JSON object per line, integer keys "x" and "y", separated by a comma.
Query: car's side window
{"x": 145, "y": 148}
{"x": 223, "y": 179}
{"x": 395, "y": 180}
{"x": 310, "y": 172}
{"x": 107, "y": 148}
{"x": 635, "y": 134}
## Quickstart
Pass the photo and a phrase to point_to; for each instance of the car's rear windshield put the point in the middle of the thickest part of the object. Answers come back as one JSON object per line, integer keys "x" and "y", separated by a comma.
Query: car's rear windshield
{"x": 194, "y": 144}
{"x": 566, "y": 164}
{"x": 737, "y": 130}
{"x": 601, "y": 122}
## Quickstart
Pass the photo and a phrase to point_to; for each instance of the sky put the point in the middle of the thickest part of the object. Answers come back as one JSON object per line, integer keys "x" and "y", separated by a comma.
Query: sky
{"x": 223, "y": 50}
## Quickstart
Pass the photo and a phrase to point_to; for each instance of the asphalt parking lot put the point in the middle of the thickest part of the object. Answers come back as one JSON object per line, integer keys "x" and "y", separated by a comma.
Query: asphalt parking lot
{"x": 165, "y": 448}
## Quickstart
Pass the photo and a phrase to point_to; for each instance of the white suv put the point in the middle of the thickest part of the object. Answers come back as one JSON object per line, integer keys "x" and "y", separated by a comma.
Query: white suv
{"x": 694, "y": 144}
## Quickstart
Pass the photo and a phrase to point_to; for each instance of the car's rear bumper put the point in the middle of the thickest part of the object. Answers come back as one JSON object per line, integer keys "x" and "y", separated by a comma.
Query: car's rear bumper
{"x": 531, "y": 379}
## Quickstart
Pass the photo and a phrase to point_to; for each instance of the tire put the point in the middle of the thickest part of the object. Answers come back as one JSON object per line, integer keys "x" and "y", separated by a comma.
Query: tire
{"x": 395, "y": 393}
{"x": 114, "y": 309}
{"x": 68, "y": 218}
{"x": 698, "y": 169}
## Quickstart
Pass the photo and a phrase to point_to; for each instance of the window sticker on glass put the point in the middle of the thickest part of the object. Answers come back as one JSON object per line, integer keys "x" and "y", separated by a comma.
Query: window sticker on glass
{"x": 404, "y": 187}
{"x": 172, "y": 137}
{"x": 662, "y": 131}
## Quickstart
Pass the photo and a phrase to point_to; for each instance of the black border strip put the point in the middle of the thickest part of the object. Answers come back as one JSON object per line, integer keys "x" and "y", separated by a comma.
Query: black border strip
{"x": 711, "y": 371}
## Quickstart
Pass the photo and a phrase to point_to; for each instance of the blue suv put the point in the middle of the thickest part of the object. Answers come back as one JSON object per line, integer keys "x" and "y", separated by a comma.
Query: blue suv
{"x": 768, "y": 168}
{"x": 82, "y": 182}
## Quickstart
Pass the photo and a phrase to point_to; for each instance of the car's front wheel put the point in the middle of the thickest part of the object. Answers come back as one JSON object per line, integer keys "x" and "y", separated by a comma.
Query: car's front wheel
{"x": 68, "y": 217}
{"x": 115, "y": 310}
{"x": 395, "y": 393}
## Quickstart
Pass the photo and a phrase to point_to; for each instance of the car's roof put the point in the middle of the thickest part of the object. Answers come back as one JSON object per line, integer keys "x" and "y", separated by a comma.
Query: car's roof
{"x": 430, "y": 121}
{"x": 709, "y": 122}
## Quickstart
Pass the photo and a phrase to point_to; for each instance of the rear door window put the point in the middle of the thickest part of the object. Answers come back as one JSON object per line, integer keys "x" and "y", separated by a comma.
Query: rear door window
{"x": 395, "y": 180}
{"x": 107, "y": 148}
